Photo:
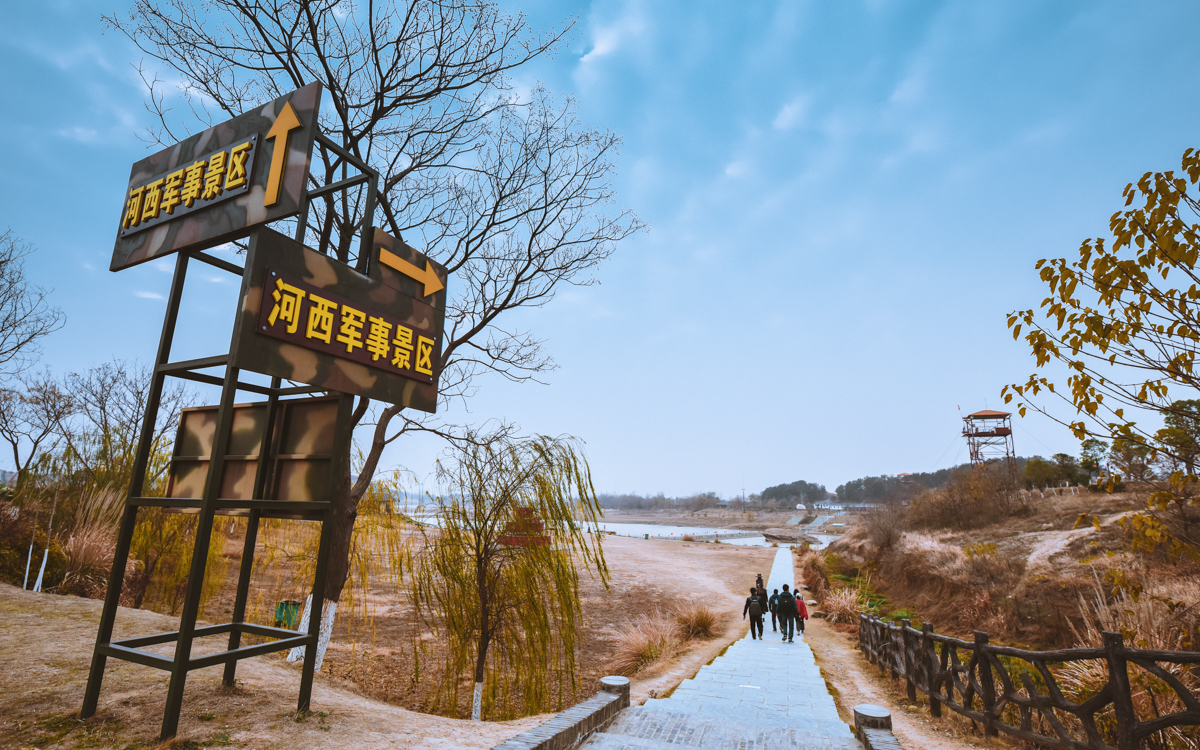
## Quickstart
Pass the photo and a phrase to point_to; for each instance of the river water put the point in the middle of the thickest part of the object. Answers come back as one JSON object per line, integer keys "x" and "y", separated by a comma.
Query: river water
{"x": 750, "y": 539}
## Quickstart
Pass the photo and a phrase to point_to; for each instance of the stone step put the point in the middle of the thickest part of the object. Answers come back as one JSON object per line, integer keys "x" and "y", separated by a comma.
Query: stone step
{"x": 673, "y": 729}
{"x": 757, "y": 715}
{"x": 621, "y": 742}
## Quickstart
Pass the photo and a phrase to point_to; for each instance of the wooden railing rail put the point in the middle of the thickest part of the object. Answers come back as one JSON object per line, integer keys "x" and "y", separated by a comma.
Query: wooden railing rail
{"x": 1023, "y": 698}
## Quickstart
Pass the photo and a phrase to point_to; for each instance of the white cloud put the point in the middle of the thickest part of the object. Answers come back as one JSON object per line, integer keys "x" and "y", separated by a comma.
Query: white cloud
{"x": 610, "y": 37}
{"x": 792, "y": 113}
{"x": 148, "y": 295}
{"x": 80, "y": 134}
{"x": 737, "y": 168}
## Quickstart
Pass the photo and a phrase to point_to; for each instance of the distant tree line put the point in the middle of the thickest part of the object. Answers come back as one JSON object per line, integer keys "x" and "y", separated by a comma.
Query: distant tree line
{"x": 795, "y": 492}
{"x": 655, "y": 502}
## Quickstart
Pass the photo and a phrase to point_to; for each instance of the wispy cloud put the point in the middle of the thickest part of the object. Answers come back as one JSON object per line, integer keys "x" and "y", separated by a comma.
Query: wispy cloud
{"x": 611, "y": 36}
{"x": 792, "y": 113}
{"x": 148, "y": 295}
{"x": 79, "y": 134}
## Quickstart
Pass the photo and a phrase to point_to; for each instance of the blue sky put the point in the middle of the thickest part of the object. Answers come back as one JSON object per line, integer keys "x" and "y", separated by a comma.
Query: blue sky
{"x": 844, "y": 200}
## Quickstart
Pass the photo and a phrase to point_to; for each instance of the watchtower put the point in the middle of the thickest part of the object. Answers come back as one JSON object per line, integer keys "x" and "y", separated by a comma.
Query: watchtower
{"x": 989, "y": 438}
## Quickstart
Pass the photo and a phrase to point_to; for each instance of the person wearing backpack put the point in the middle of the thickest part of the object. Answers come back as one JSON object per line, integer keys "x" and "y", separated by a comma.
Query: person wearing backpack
{"x": 764, "y": 602}
{"x": 786, "y": 607}
{"x": 754, "y": 609}
{"x": 773, "y": 606}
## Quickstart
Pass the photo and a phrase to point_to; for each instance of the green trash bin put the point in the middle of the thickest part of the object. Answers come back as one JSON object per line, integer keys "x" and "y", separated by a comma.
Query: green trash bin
{"x": 287, "y": 613}
{"x": 647, "y": 536}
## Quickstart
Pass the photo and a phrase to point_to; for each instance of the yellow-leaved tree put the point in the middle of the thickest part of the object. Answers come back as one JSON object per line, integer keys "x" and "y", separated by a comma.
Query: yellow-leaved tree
{"x": 1125, "y": 320}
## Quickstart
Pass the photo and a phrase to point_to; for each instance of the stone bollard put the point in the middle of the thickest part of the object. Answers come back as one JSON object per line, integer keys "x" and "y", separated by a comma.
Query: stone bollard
{"x": 873, "y": 728}
{"x": 867, "y": 716}
{"x": 617, "y": 686}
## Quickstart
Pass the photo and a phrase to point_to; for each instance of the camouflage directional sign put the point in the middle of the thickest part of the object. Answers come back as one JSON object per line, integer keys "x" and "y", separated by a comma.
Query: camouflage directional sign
{"x": 308, "y": 318}
{"x": 217, "y": 185}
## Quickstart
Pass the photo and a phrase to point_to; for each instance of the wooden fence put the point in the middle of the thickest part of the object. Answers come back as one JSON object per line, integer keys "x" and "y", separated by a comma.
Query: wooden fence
{"x": 979, "y": 681}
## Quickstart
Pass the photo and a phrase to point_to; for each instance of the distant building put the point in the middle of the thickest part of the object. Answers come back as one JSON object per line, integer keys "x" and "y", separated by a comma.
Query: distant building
{"x": 723, "y": 504}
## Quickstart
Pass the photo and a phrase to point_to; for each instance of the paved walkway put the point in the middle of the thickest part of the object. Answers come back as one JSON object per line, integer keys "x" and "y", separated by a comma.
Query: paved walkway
{"x": 758, "y": 694}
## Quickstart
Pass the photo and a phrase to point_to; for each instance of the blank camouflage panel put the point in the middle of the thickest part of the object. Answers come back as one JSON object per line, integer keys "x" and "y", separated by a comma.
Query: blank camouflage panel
{"x": 216, "y": 185}
{"x": 301, "y": 451}
{"x": 308, "y": 318}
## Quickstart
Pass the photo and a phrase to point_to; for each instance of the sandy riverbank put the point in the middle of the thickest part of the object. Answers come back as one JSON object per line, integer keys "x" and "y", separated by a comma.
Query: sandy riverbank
{"x": 46, "y": 642}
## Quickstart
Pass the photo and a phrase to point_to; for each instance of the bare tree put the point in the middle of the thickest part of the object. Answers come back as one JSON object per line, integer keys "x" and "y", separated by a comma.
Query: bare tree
{"x": 102, "y": 436}
{"x": 25, "y": 314}
{"x": 31, "y": 419}
{"x": 511, "y": 193}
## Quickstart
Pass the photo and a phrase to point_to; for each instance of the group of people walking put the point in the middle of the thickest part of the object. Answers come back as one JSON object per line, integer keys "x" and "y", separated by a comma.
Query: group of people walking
{"x": 787, "y": 608}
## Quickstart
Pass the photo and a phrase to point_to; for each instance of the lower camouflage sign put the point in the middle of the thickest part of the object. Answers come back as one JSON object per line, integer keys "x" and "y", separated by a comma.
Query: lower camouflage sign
{"x": 308, "y": 318}
{"x": 320, "y": 320}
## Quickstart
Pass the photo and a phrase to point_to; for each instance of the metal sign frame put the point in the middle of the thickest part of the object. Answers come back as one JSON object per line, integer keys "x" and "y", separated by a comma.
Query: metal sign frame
{"x": 210, "y": 504}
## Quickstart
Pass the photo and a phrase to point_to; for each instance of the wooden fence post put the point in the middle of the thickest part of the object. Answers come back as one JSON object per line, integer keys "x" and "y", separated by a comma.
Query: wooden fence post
{"x": 905, "y": 642}
{"x": 1118, "y": 678}
{"x": 929, "y": 657}
{"x": 881, "y": 628}
{"x": 986, "y": 687}
{"x": 893, "y": 644}
{"x": 864, "y": 637}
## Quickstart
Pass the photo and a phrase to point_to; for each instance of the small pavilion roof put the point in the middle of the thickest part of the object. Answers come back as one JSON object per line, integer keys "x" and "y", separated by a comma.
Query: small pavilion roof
{"x": 988, "y": 414}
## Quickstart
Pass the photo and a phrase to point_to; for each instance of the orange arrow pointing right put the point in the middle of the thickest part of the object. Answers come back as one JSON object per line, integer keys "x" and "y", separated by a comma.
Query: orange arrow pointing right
{"x": 428, "y": 277}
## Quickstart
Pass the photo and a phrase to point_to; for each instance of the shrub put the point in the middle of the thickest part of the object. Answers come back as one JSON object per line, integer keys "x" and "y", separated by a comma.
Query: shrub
{"x": 17, "y": 530}
{"x": 643, "y": 642}
{"x": 695, "y": 619}
{"x": 814, "y": 572}
{"x": 972, "y": 497}
{"x": 688, "y": 538}
{"x": 884, "y": 524}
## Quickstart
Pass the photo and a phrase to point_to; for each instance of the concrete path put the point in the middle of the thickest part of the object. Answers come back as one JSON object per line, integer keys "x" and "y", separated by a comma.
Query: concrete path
{"x": 758, "y": 694}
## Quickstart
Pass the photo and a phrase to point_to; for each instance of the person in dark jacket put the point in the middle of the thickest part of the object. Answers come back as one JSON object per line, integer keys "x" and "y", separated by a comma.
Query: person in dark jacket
{"x": 786, "y": 607}
{"x": 772, "y": 603}
{"x": 754, "y": 609}
{"x": 764, "y": 602}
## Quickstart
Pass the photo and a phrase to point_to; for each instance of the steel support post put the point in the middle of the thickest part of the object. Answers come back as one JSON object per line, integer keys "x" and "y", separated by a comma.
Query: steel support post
{"x": 116, "y": 578}
{"x": 191, "y": 601}
{"x": 265, "y": 451}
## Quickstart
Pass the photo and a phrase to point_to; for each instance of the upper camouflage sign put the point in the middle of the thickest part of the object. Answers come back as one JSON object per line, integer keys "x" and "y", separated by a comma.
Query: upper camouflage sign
{"x": 216, "y": 185}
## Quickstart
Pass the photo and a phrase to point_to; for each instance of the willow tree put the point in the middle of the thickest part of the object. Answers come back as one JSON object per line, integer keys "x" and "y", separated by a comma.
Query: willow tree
{"x": 499, "y": 575}
{"x": 1124, "y": 318}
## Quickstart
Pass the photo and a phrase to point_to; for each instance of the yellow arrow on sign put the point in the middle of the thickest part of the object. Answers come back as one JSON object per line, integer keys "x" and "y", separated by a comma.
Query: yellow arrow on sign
{"x": 284, "y": 124}
{"x": 428, "y": 277}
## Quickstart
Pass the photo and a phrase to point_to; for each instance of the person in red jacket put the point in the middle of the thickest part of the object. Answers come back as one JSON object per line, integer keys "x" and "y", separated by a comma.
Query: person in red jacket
{"x": 801, "y": 610}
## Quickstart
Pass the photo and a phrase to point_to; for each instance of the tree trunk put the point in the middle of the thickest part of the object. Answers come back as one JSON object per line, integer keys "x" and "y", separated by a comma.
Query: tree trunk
{"x": 480, "y": 660}
{"x": 485, "y": 637}
{"x": 341, "y": 521}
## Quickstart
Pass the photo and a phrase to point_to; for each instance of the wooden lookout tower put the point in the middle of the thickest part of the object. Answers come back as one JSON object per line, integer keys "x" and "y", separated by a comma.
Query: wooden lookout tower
{"x": 989, "y": 437}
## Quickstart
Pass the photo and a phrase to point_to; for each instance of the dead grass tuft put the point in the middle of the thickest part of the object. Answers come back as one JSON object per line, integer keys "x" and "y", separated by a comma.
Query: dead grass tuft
{"x": 843, "y": 605}
{"x": 1148, "y": 621}
{"x": 645, "y": 641}
{"x": 695, "y": 619}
